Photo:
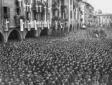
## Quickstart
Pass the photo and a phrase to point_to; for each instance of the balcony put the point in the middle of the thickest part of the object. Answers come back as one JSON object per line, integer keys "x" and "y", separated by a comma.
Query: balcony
{"x": 41, "y": 24}
{"x": 31, "y": 24}
{"x": 46, "y": 23}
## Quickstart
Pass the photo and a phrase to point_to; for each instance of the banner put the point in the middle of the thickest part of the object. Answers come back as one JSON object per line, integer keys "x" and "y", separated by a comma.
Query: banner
{"x": 6, "y": 25}
{"x": 21, "y": 25}
{"x": 35, "y": 24}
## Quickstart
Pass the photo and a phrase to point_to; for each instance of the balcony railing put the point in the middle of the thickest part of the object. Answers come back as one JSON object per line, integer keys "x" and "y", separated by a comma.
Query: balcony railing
{"x": 33, "y": 24}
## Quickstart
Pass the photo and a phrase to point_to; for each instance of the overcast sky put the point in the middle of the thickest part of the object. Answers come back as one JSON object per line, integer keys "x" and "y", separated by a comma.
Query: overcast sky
{"x": 104, "y": 5}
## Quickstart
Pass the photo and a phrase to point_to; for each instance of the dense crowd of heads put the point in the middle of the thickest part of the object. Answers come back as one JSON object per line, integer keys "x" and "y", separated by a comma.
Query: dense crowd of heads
{"x": 49, "y": 62}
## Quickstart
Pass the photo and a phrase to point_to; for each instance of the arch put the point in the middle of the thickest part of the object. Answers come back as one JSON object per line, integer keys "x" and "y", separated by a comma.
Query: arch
{"x": 1, "y": 37}
{"x": 31, "y": 34}
{"x": 14, "y": 35}
{"x": 44, "y": 32}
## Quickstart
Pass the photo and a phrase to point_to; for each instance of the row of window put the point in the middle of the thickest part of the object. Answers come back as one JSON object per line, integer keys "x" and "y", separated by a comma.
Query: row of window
{"x": 71, "y": 14}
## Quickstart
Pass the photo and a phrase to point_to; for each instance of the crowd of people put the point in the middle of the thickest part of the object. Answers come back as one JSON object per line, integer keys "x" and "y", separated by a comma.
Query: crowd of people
{"x": 46, "y": 61}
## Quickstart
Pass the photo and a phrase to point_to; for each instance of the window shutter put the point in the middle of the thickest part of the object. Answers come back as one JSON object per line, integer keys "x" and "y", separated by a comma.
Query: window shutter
{"x": 8, "y": 12}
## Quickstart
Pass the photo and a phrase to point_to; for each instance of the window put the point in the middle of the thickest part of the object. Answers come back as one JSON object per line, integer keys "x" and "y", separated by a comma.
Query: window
{"x": 6, "y": 12}
{"x": 17, "y": 3}
{"x": 18, "y": 11}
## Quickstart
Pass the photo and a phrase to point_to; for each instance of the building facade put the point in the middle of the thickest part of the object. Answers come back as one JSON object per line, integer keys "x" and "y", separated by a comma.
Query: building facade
{"x": 104, "y": 20}
{"x": 24, "y": 16}
{"x": 87, "y": 14}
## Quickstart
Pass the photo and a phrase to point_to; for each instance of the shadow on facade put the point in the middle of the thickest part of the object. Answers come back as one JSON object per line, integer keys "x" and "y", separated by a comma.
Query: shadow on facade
{"x": 30, "y": 34}
{"x": 1, "y": 38}
{"x": 14, "y": 35}
{"x": 70, "y": 28}
{"x": 44, "y": 32}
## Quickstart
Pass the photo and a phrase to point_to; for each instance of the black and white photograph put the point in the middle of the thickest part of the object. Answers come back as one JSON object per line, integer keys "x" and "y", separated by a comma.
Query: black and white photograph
{"x": 55, "y": 42}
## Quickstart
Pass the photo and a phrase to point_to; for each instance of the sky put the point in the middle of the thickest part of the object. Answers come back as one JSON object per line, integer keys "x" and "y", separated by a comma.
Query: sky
{"x": 104, "y": 5}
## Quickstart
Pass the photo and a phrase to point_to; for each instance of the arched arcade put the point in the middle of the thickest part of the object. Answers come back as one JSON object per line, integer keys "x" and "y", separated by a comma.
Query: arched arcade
{"x": 14, "y": 35}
